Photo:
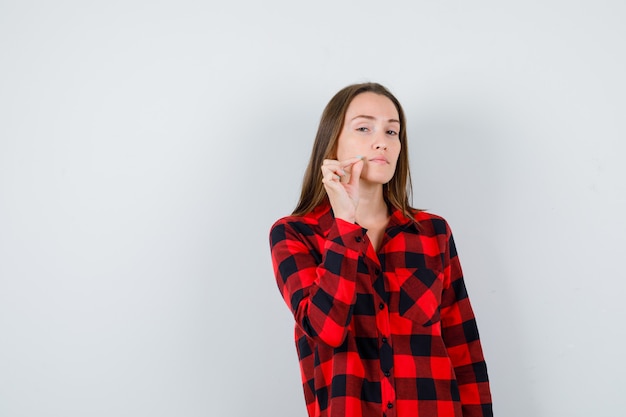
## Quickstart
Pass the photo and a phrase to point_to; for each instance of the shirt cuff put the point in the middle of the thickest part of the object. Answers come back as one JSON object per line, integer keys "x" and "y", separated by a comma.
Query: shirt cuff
{"x": 347, "y": 234}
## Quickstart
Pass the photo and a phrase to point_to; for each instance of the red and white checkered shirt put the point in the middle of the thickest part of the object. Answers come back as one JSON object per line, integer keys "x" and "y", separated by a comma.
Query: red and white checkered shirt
{"x": 380, "y": 334}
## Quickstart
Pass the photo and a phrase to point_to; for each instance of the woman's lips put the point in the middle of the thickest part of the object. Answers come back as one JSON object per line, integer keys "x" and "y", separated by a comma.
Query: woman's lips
{"x": 379, "y": 160}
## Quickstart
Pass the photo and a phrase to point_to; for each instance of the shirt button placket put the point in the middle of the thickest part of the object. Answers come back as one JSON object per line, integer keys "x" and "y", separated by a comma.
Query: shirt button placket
{"x": 386, "y": 355}
{"x": 386, "y": 363}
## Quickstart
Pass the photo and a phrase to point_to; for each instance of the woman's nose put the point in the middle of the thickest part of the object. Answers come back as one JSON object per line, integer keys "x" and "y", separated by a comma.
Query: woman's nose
{"x": 380, "y": 140}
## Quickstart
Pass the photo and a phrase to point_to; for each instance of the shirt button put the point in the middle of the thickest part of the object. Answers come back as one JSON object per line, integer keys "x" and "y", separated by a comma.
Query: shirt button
{"x": 384, "y": 340}
{"x": 381, "y": 306}
{"x": 389, "y": 405}
{"x": 358, "y": 238}
{"x": 387, "y": 374}
{"x": 377, "y": 271}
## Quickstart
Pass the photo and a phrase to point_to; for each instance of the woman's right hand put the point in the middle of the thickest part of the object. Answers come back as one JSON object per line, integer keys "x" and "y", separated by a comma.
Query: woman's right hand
{"x": 341, "y": 181}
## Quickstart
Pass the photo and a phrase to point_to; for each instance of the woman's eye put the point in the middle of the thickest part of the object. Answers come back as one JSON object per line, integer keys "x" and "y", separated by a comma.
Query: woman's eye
{"x": 362, "y": 129}
{"x": 392, "y": 132}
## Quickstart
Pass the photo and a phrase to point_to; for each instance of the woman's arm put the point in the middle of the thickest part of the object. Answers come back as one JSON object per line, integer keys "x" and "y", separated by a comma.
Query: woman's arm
{"x": 319, "y": 290}
{"x": 460, "y": 334}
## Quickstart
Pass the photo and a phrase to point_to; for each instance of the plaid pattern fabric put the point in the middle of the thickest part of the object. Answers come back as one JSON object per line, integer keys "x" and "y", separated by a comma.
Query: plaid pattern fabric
{"x": 380, "y": 334}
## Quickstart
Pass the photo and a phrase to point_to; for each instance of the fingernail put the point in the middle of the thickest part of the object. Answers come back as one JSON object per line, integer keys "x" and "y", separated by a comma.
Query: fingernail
{"x": 359, "y": 156}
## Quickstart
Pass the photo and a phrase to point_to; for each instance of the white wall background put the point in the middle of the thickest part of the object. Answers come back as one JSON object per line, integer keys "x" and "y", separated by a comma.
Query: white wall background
{"x": 147, "y": 146}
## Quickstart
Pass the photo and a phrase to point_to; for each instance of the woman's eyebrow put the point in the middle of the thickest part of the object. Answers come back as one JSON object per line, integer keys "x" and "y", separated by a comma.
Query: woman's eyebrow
{"x": 364, "y": 116}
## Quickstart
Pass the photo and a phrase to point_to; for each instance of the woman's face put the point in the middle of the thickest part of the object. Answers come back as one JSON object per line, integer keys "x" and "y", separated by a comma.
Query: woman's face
{"x": 371, "y": 129}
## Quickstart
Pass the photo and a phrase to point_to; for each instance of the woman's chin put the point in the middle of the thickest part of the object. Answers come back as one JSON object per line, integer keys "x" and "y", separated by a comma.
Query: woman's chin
{"x": 371, "y": 180}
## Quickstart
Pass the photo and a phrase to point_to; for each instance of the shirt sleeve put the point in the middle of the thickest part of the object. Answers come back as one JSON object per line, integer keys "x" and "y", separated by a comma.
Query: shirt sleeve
{"x": 460, "y": 334}
{"x": 319, "y": 288}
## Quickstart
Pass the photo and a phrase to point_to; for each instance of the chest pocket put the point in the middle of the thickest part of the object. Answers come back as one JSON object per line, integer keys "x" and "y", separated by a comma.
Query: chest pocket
{"x": 419, "y": 294}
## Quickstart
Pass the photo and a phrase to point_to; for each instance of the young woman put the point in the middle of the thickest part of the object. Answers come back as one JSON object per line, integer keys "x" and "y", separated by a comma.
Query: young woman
{"x": 384, "y": 326}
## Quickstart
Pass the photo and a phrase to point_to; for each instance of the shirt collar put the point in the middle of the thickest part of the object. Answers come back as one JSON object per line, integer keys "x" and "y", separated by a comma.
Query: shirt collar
{"x": 324, "y": 216}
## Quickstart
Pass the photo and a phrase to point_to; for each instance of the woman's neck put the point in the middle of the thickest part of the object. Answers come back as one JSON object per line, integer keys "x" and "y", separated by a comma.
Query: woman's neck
{"x": 372, "y": 207}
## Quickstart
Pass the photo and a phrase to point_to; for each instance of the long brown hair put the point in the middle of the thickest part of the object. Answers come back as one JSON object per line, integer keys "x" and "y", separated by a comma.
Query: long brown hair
{"x": 396, "y": 192}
